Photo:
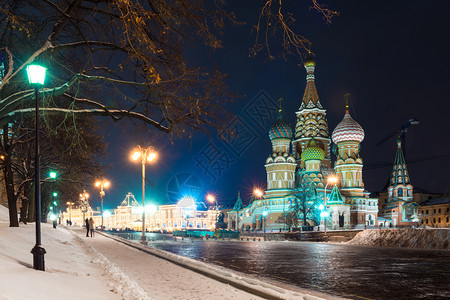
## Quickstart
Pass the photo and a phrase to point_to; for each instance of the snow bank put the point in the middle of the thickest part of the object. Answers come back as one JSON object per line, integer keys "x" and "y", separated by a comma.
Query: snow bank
{"x": 4, "y": 214}
{"x": 407, "y": 238}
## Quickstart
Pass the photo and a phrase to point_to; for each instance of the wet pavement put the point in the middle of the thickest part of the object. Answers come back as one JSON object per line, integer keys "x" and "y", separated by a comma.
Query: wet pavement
{"x": 356, "y": 272}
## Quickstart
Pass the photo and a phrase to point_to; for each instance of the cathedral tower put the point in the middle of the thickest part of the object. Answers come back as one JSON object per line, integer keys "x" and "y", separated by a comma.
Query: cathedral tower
{"x": 400, "y": 187}
{"x": 311, "y": 122}
{"x": 348, "y": 135}
{"x": 280, "y": 166}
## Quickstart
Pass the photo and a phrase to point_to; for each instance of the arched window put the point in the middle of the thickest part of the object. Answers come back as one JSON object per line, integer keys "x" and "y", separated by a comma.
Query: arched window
{"x": 400, "y": 192}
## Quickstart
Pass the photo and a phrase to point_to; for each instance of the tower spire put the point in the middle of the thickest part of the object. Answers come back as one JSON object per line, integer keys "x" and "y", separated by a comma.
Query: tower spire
{"x": 399, "y": 172}
{"x": 347, "y": 99}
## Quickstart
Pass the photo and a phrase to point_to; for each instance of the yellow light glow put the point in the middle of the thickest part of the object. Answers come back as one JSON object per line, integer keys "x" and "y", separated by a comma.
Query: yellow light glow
{"x": 98, "y": 183}
{"x": 106, "y": 184}
{"x": 332, "y": 179}
{"x": 210, "y": 198}
{"x": 257, "y": 192}
{"x": 151, "y": 156}
{"x": 135, "y": 155}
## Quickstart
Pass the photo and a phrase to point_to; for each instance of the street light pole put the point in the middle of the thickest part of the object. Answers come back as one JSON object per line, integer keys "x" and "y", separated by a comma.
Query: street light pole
{"x": 102, "y": 184}
{"x": 265, "y": 219}
{"x": 36, "y": 77}
{"x": 332, "y": 180}
{"x": 145, "y": 154}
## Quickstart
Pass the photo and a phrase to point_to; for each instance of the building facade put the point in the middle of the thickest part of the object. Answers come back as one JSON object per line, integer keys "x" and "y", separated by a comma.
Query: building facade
{"x": 299, "y": 166}
{"x": 128, "y": 216}
{"x": 399, "y": 208}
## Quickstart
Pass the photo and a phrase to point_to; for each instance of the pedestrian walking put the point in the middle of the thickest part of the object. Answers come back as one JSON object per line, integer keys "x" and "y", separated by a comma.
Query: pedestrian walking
{"x": 87, "y": 227}
{"x": 91, "y": 226}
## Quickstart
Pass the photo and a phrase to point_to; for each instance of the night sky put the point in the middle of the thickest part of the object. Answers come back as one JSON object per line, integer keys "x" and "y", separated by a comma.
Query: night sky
{"x": 392, "y": 56}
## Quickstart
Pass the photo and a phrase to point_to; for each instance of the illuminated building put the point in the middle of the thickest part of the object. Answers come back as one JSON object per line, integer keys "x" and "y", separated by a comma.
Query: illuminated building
{"x": 127, "y": 216}
{"x": 399, "y": 209}
{"x": 299, "y": 168}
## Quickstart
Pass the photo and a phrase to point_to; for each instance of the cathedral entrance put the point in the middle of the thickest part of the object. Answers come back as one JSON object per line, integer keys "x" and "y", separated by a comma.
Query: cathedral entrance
{"x": 341, "y": 220}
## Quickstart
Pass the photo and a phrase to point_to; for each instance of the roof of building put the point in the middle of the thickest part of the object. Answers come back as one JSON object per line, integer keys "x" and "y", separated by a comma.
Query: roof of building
{"x": 399, "y": 173}
{"x": 312, "y": 152}
{"x": 348, "y": 130}
{"x": 335, "y": 196}
{"x": 442, "y": 200}
{"x": 280, "y": 130}
{"x": 310, "y": 97}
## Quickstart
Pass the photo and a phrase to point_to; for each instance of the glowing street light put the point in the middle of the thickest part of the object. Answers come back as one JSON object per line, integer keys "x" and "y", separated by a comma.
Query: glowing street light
{"x": 102, "y": 184}
{"x": 332, "y": 179}
{"x": 212, "y": 199}
{"x": 258, "y": 193}
{"x": 84, "y": 198}
{"x": 36, "y": 77}
{"x": 146, "y": 154}
{"x": 265, "y": 213}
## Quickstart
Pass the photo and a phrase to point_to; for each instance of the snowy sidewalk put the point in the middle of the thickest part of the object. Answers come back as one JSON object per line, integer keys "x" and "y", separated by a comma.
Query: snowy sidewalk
{"x": 158, "y": 278}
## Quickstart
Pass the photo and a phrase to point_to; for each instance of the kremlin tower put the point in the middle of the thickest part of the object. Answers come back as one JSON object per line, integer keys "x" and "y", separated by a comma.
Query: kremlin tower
{"x": 399, "y": 208}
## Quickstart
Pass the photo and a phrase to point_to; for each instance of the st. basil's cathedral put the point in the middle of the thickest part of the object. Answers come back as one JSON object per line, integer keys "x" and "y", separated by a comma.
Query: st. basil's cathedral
{"x": 299, "y": 172}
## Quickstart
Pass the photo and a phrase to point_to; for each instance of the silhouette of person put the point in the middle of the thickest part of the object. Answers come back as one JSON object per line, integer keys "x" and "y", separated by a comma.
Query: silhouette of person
{"x": 87, "y": 227}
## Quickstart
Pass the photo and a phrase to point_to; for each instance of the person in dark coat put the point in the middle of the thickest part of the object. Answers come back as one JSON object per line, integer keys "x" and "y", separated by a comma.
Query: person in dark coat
{"x": 87, "y": 227}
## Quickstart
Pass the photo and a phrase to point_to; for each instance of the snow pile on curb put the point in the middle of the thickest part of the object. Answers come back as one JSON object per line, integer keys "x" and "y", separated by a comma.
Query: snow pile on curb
{"x": 407, "y": 238}
{"x": 120, "y": 283}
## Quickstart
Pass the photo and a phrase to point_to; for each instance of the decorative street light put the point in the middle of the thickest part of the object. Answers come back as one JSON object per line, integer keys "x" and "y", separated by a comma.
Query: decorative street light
{"x": 146, "y": 154}
{"x": 265, "y": 219}
{"x": 84, "y": 198}
{"x": 212, "y": 199}
{"x": 69, "y": 205}
{"x": 258, "y": 193}
{"x": 36, "y": 77}
{"x": 330, "y": 180}
{"x": 102, "y": 184}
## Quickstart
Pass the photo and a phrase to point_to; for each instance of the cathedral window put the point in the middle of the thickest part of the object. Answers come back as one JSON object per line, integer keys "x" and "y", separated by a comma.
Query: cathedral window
{"x": 400, "y": 192}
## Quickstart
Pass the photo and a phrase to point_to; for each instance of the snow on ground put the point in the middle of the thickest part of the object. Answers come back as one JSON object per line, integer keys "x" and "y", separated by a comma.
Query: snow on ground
{"x": 407, "y": 238}
{"x": 78, "y": 267}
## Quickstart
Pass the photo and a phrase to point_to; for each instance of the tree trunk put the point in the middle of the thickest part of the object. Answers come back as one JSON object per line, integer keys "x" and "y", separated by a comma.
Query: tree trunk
{"x": 9, "y": 181}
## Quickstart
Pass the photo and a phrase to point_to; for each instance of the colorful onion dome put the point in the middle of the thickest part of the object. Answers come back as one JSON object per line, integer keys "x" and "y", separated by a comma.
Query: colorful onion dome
{"x": 348, "y": 130}
{"x": 312, "y": 151}
{"x": 280, "y": 130}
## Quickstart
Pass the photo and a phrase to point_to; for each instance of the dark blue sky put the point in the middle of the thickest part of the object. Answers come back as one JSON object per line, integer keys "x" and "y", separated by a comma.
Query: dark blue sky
{"x": 392, "y": 56}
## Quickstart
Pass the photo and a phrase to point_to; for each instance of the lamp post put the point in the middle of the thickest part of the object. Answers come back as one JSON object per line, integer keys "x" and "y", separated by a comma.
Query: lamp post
{"x": 333, "y": 180}
{"x": 265, "y": 218}
{"x": 83, "y": 198}
{"x": 146, "y": 154}
{"x": 69, "y": 205}
{"x": 36, "y": 77}
{"x": 212, "y": 199}
{"x": 102, "y": 184}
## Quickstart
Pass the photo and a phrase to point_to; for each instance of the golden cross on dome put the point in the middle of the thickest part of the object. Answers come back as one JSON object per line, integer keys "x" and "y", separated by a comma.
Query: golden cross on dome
{"x": 347, "y": 98}
{"x": 280, "y": 99}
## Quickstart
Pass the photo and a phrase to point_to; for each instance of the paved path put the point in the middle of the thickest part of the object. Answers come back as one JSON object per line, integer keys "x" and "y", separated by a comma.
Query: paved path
{"x": 159, "y": 278}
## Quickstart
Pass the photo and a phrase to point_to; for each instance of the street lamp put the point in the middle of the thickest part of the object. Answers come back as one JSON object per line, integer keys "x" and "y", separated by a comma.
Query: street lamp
{"x": 258, "y": 193}
{"x": 212, "y": 199}
{"x": 330, "y": 180}
{"x": 265, "y": 218}
{"x": 69, "y": 205}
{"x": 83, "y": 198}
{"x": 146, "y": 154}
{"x": 102, "y": 184}
{"x": 36, "y": 77}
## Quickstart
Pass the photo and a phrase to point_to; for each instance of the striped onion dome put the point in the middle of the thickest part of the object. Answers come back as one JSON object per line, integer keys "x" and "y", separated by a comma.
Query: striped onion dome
{"x": 348, "y": 130}
{"x": 312, "y": 151}
{"x": 280, "y": 130}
